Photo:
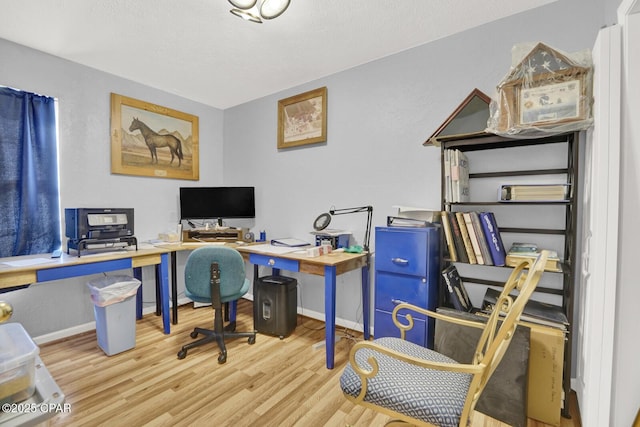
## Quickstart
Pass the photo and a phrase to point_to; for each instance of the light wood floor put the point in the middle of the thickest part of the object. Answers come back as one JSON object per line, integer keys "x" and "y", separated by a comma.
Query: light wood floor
{"x": 272, "y": 383}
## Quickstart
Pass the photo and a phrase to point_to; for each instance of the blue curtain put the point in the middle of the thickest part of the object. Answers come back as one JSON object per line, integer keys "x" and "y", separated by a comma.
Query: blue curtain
{"x": 29, "y": 205}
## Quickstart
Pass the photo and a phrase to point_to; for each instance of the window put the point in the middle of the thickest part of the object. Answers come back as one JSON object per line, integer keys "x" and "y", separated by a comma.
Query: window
{"x": 29, "y": 196}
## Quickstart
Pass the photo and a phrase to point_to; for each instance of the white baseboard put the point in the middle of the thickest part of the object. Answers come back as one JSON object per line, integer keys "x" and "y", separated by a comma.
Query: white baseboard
{"x": 91, "y": 326}
{"x": 65, "y": 333}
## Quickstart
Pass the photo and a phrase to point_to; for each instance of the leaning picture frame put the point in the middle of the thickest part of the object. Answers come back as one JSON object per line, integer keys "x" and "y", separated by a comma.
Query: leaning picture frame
{"x": 545, "y": 92}
{"x": 544, "y": 103}
{"x": 152, "y": 140}
{"x": 302, "y": 119}
{"x": 538, "y": 105}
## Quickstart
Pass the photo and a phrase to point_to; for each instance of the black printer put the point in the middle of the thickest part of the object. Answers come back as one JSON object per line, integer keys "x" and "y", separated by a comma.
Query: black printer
{"x": 99, "y": 228}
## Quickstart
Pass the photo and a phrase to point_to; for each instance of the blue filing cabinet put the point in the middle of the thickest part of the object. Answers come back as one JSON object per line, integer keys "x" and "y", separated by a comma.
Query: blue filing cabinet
{"x": 407, "y": 265}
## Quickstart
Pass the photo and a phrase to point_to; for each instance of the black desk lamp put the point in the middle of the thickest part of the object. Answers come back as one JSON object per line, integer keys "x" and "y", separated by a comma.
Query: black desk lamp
{"x": 323, "y": 220}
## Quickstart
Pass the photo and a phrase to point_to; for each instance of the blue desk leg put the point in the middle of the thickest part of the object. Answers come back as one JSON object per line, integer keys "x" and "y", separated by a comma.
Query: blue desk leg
{"x": 162, "y": 271}
{"x": 233, "y": 310}
{"x": 366, "y": 297}
{"x": 330, "y": 313}
{"x": 137, "y": 273}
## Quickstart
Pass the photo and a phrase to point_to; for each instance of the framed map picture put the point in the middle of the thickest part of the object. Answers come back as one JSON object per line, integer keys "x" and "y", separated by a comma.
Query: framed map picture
{"x": 302, "y": 119}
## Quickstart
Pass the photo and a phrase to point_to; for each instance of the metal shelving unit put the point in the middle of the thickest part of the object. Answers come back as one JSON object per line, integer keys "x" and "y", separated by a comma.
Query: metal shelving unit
{"x": 485, "y": 141}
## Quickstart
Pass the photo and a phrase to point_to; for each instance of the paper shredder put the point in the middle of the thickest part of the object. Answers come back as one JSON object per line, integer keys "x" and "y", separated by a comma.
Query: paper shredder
{"x": 275, "y": 305}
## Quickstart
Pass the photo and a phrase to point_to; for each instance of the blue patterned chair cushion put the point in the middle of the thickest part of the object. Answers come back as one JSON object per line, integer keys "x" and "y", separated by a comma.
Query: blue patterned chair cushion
{"x": 434, "y": 396}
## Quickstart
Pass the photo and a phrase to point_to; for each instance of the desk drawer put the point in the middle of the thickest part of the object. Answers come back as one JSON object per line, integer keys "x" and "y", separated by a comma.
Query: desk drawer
{"x": 392, "y": 289}
{"x": 404, "y": 251}
{"x": 83, "y": 269}
{"x": 275, "y": 262}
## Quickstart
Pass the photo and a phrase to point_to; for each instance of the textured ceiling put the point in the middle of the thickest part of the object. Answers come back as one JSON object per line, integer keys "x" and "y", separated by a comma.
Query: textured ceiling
{"x": 198, "y": 50}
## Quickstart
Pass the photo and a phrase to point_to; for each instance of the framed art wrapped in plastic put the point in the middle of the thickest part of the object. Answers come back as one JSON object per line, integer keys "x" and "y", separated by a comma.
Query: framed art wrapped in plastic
{"x": 545, "y": 92}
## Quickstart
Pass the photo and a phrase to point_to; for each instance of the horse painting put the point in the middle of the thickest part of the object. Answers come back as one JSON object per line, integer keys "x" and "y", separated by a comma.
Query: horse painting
{"x": 155, "y": 140}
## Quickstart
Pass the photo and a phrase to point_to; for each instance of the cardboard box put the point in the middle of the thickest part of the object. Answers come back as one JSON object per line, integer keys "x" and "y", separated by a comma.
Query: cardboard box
{"x": 546, "y": 361}
{"x": 544, "y": 387}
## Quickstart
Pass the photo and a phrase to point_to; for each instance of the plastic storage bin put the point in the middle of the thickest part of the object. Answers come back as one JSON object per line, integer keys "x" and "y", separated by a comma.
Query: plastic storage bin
{"x": 275, "y": 306}
{"x": 115, "y": 312}
{"x": 18, "y": 353}
{"x": 47, "y": 393}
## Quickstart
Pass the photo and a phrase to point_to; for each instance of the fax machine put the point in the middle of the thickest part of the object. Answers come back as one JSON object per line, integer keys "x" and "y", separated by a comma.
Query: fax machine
{"x": 97, "y": 228}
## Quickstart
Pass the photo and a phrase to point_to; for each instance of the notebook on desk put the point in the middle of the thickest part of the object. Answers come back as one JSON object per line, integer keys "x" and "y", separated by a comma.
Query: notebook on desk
{"x": 290, "y": 242}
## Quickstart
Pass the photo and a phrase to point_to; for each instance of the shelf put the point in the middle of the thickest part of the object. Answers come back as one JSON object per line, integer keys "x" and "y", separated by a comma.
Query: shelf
{"x": 491, "y": 142}
{"x": 540, "y": 289}
{"x": 557, "y": 171}
{"x": 531, "y": 230}
{"x": 558, "y": 202}
{"x": 565, "y": 266}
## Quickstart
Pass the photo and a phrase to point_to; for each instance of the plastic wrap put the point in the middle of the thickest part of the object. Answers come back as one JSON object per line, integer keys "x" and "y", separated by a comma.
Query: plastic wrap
{"x": 109, "y": 290}
{"x": 546, "y": 92}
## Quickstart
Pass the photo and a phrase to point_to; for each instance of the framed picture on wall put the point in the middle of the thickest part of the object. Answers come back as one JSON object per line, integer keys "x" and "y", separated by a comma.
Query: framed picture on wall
{"x": 302, "y": 119}
{"x": 151, "y": 140}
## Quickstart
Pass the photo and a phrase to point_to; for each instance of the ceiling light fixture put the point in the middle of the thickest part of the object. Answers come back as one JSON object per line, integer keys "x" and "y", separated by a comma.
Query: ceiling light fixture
{"x": 255, "y": 11}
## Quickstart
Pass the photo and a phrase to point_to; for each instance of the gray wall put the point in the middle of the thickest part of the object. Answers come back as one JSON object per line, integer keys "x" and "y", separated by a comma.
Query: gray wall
{"x": 379, "y": 114}
{"x": 83, "y": 96}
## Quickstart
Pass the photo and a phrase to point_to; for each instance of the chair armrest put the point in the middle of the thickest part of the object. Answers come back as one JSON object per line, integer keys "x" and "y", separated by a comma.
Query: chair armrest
{"x": 428, "y": 364}
{"x": 406, "y": 327}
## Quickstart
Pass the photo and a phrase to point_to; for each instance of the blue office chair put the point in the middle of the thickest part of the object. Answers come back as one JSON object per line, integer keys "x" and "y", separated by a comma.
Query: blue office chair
{"x": 215, "y": 274}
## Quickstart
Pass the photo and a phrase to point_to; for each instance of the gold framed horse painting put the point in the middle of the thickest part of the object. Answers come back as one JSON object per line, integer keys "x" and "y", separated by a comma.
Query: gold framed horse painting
{"x": 150, "y": 140}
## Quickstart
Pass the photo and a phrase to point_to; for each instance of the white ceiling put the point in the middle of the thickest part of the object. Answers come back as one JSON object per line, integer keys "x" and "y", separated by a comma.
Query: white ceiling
{"x": 198, "y": 50}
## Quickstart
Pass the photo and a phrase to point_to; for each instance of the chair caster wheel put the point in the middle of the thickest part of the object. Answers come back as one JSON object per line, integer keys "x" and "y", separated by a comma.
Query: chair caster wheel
{"x": 252, "y": 340}
{"x": 182, "y": 354}
{"x": 194, "y": 334}
{"x": 281, "y": 337}
{"x": 222, "y": 357}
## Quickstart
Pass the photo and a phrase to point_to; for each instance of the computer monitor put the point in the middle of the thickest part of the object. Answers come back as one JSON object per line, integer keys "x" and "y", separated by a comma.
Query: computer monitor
{"x": 217, "y": 202}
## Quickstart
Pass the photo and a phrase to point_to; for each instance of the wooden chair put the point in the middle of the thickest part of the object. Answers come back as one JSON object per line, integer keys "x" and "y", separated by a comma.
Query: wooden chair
{"x": 419, "y": 386}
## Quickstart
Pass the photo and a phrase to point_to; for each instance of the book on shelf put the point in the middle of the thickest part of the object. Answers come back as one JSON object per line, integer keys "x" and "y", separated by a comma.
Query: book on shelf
{"x": 448, "y": 236}
{"x": 457, "y": 238}
{"x": 534, "y": 311}
{"x": 457, "y": 292}
{"x": 493, "y": 238}
{"x": 447, "y": 175}
{"x": 473, "y": 237}
{"x": 534, "y": 192}
{"x": 465, "y": 238}
{"x": 482, "y": 239}
{"x": 463, "y": 181}
{"x": 454, "y": 173}
{"x": 456, "y": 164}
{"x": 523, "y": 247}
{"x": 518, "y": 253}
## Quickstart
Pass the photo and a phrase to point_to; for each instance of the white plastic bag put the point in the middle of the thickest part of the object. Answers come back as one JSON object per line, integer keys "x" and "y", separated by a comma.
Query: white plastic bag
{"x": 112, "y": 289}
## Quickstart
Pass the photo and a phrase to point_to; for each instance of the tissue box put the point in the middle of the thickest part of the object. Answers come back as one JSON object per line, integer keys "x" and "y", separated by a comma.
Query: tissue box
{"x": 17, "y": 363}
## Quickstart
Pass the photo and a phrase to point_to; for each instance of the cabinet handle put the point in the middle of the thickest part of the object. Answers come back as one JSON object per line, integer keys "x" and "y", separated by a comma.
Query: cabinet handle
{"x": 400, "y": 261}
{"x": 397, "y": 301}
{"x": 271, "y": 262}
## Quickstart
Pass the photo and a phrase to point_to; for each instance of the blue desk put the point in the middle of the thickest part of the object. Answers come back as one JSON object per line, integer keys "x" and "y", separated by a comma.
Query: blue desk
{"x": 329, "y": 266}
{"x": 69, "y": 266}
